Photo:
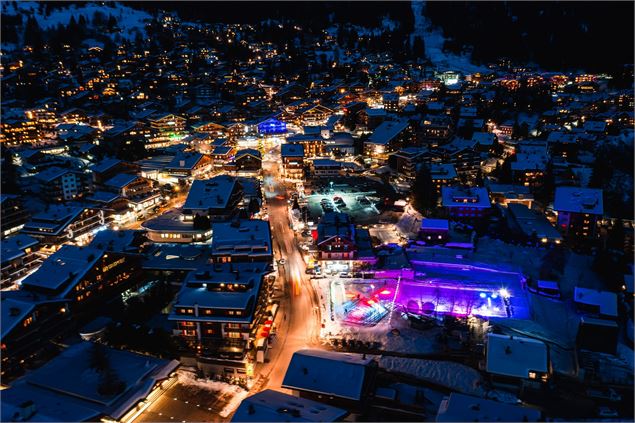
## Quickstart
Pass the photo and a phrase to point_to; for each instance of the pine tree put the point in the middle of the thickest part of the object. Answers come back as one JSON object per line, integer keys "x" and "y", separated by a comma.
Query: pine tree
{"x": 254, "y": 206}
{"x": 425, "y": 193}
{"x": 9, "y": 173}
{"x": 33, "y": 34}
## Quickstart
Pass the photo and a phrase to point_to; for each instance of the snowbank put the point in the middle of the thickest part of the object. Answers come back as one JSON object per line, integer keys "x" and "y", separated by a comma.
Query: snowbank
{"x": 232, "y": 393}
{"x": 454, "y": 376}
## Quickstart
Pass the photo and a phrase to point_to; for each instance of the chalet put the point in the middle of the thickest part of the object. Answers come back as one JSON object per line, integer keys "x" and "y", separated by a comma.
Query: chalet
{"x": 60, "y": 224}
{"x": 407, "y": 161}
{"x": 168, "y": 129}
{"x": 248, "y": 160}
{"x": 434, "y": 231}
{"x": 339, "y": 379}
{"x": 436, "y": 130}
{"x": 443, "y": 175}
{"x": 465, "y": 408}
{"x": 506, "y": 194}
{"x": 388, "y": 137}
{"x": 108, "y": 168}
{"x": 466, "y": 204}
{"x": 219, "y": 312}
{"x": 217, "y": 197}
{"x": 13, "y": 215}
{"x": 190, "y": 165}
{"x": 221, "y": 155}
{"x": 578, "y": 210}
{"x": 18, "y": 258}
{"x": 61, "y": 184}
{"x": 391, "y": 102}
{"x": 274, "y": 406}
{"x": 211, "y": 128}
{"x": 516, "y": 362}
{"x": 371, "y": 118}
{"x": 315, "y": 115}
{"x": 531, "y": 225}
{"x": 292, "y": 160}
{"x": 272, "y": 126}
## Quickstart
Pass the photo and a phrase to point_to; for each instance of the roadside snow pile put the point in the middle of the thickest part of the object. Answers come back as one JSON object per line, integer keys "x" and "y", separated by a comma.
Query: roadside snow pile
{"x": 233, "y": 403}
{"x": 233, "y": 394}
{"x": 454, "y": 376}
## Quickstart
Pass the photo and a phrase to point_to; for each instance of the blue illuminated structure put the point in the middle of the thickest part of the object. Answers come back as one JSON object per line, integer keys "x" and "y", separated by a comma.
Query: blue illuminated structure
{"x": 272, "y": 126}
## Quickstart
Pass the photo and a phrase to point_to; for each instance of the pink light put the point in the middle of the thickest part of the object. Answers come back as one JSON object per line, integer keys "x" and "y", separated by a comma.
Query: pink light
{"x": 385, "y": 292}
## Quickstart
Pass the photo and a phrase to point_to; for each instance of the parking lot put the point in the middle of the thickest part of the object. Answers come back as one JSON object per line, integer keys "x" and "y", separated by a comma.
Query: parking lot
{"x": 185, "y": 404}
{"x": 361, "y": 198}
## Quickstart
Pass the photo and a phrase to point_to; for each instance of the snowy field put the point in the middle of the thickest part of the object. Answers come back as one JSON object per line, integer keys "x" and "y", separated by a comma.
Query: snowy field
{"x": 434, "y": 40}
{"x": 129, "y": 20}
{"x": 454, "y": 376}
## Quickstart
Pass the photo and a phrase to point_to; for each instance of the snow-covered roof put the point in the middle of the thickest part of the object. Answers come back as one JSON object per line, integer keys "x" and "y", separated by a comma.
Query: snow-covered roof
{"x": 292, "y": 150}
{"x": 435, "y": 224}
{"x": 244, "y": 236}
{"x": 185, "y": 160}
{"x": 103, "y": 196}
{"x": 63, "y": 268}
{"x": 273, "y": 406}
{"x": 605, "y": 301}
{"x": 75, "y": 396}
{"x": 327, "y": 372}
{"x": 248, "y": 152}
{"x": 205, "y": 287}
{"x": 15, "y": 306}
{"x": 326, "y": 163}
{"x": 121, "y": 180}
{"x": 442, "y": 171}
{"x": 55, "y": 219}
{"x": 52, "y": 173}
{"x": 578, "y": 200}
{"x": 532, "y": 222}
{"x": 13, "y": 247}
{"x": 515, "y": 356}
{"x": 465, "y": 197}
{"x": 465, "y": 408}
{"x": 484, "y": 138}
{"x": 213, "y": 193}
{"x": 387, "y": 131}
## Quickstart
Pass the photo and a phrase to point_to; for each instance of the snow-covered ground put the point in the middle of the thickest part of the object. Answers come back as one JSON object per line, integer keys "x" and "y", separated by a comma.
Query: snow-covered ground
{"x": 434, "y": 39}
{"x": 129, "y": 20}
{"x": 455, "y": 376}
{"x": 232, "y": 394}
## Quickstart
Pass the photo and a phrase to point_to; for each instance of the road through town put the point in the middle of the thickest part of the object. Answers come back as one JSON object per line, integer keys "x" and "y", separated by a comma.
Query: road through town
{"x": 301, "y": 318}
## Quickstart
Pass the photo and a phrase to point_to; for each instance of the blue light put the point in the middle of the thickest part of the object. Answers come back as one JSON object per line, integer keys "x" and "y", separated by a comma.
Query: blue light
{"x": 482, "y": 295}
{"x": 272, "y": 126}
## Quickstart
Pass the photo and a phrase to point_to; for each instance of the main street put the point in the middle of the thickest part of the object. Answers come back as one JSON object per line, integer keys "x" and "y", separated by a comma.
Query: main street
{"x": 300, "y": 324}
